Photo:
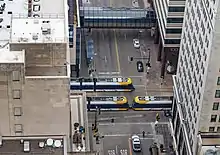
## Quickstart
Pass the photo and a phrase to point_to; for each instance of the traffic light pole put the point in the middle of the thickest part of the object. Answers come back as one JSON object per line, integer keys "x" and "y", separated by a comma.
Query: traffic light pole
{"x": 96, "y": 117}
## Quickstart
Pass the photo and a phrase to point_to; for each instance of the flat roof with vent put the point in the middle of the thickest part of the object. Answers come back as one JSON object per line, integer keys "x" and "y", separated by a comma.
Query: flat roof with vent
{"x": 12, "y": 57}
{"x": 11, "y": 7}
{"x": 38, "y": 30}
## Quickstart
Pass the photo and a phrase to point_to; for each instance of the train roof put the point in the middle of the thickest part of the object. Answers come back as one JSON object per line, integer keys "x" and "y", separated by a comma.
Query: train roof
{"x": 155, "y": 98}
{"x": 114, "y": 79}
{"x": 106, "y": 98}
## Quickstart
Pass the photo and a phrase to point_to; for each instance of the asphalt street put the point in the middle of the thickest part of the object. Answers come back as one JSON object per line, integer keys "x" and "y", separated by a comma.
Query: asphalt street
{"x": 127, "y": 116}
{"x": 113, "y": 48}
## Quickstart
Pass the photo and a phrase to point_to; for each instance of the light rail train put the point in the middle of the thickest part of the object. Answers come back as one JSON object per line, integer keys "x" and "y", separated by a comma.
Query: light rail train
{"x": 152, "y": 103}
{"x": 117, "y": 84}
{"x": 107, "y": 103}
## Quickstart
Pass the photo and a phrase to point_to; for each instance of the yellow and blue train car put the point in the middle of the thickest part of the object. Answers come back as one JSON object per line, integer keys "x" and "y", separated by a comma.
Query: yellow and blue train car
{"x": 107, "y": 103}
{"x": 117, "y": 84}
{"x": 152, "y": 103}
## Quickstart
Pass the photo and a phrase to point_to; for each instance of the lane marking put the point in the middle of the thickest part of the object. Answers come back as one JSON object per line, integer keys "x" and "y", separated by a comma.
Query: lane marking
{"x": 130, "y": 123}
{"x": 139, "y": 86}
{"x": 126, "y": 135}
{"x": 135, "y": 76}
{"x": 107, "y": 73}
{"x": 133, "y": 116}
{"x": 130, "y": 147}
{"x": 117, "y": 54}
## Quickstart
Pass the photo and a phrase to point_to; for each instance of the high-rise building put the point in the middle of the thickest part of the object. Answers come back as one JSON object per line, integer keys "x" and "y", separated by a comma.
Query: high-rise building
{"x": 168, "y": 31}
{"x": 196, "y": 113}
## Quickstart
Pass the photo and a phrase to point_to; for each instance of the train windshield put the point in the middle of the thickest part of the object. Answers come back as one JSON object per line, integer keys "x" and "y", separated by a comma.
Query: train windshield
{"x": 141, "y": 98}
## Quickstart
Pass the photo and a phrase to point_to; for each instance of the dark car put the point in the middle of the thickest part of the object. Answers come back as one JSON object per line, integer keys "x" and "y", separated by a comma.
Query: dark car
{"x": 140, "y": 66}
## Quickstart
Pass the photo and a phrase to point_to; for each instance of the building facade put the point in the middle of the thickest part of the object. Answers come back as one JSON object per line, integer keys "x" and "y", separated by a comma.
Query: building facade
{"x": 196, "y": 114}
{"x": 168, "y": 31}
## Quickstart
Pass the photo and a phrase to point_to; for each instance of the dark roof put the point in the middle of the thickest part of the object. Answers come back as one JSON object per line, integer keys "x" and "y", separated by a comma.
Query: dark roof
{"x": 16, "y": 147}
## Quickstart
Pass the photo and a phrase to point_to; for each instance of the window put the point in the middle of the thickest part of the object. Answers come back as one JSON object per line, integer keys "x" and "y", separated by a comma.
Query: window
{"x": 16, "y": 94}
{"x": 176, "y": 31}
{"x": 17, "y": 111}
{"x": 36, "y": 8}
{"x": 18, "y": 128}
{"x": 15, "y": 76}
{"x": 217, "y": 94}
{"x": 218, "y": 81}
{"x": 218, "y": 129}
{"x": 211, "y": 129}
{"x": 176, "y": 9}
{"x": 213, "y": 118}
{"x": 215, "y": 106}
{"x": 172, "y": 41}
{"x": 174, "y": 20}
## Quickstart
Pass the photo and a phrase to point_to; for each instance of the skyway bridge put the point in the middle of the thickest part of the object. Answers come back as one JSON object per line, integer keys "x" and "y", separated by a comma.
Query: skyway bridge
{"x": 108, "y": 17}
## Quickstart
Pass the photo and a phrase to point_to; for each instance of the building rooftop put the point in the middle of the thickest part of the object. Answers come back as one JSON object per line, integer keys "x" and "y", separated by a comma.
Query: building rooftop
{"x": 12, "y": 56}
{"x": 30, "y": 146}
{"x": 11, "y": 7}
{"x": 38, "y": 30}
{"x": 51, "y": 6}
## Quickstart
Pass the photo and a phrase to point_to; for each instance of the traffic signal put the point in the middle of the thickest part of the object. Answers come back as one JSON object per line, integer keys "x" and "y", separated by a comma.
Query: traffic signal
{"x": 157, "y": 117}
{"x": 95, "y": 132}
{"x": 131, "y": 58}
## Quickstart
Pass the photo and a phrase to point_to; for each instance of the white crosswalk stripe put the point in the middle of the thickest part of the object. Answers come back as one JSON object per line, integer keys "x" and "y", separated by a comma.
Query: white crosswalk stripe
{"x": 108, "y": 73}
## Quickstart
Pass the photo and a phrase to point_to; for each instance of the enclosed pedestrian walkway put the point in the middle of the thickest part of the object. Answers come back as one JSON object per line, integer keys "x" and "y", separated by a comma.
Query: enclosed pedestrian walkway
{"x": 107, "y": 17}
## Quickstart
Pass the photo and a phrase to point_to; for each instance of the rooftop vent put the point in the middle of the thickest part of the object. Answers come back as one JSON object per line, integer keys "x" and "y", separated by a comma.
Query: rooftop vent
{"x": 35, "y": 37}
{"x": 36, "y": 21}
{"x": 23, "y": 39}
{"x": 46, "y": 29}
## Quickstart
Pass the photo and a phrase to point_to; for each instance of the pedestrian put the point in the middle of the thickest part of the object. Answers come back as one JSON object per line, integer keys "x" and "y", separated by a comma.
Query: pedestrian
{"x": 143, "y": 132}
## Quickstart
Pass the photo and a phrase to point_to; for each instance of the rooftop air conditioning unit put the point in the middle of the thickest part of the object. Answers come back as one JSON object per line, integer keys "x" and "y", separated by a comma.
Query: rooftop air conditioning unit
{"x": 35, "y": 37}
{"x": 23, "y": 39}
{"x": 46, "y": 29}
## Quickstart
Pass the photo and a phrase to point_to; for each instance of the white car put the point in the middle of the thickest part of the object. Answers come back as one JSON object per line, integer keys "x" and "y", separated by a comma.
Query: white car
{"x": 136, "y": 43}
{"x": 136, "y": 143}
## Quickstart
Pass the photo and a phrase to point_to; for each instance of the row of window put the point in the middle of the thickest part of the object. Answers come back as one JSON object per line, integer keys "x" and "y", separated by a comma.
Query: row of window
{"x": 217, "y": 94}
{"x": 172, "y": 41}
{"x": 218, "y": 81}
{"x": 176, "y": 9}
{"x": 174, "y": 31}
{"x": 212, "y": 129}
{"x": 215, "y": 106}
{"x": 214, "y": 118}
{"x": 174, "y": 20}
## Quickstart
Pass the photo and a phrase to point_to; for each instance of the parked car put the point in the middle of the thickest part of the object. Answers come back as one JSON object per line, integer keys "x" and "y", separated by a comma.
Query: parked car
{"x": 136, "y": 143}
{"x": 140, "y": 66}
{"x": 136, "y": 43}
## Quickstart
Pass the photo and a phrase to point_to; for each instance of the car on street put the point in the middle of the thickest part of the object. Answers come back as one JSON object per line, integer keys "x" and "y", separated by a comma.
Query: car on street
{"x": 136, "y": 43}
{"x": 140, "y": 66}
{"x": 136, "y": 143}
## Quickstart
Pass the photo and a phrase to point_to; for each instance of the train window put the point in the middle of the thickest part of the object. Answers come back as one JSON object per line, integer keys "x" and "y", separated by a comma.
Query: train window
{"x": 141, "y": 98}
{"x": 114, "y": 80}
{"x": 120, "y": 98}
{"x": 109, "y": 80}
{"x": 120, "y": 80}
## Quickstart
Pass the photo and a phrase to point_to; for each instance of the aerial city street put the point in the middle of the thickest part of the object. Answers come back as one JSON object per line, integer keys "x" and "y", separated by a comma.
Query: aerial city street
{"x": 115, "y": 53}
{"x": 109, "y": 77}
